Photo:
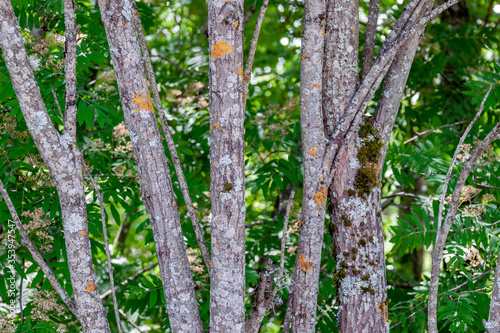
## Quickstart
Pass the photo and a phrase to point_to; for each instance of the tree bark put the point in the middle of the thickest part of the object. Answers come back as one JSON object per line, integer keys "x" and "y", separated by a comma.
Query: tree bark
{"x": 307, "y": 265}
{"x": 156, "y": 186}
{"x": 65, "y": 167}
{"x": 493, "y": 323}
{"x": 227, "y": 178}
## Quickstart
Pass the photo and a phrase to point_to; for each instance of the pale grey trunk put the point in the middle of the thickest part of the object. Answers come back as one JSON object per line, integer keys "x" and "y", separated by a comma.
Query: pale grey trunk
{"x": 64, "y": 166}
{"x": 156, "y": 186}
{"x": 227, "y": 182}
{"x": 307, "y": 265}
{"x": 493, "y": 323}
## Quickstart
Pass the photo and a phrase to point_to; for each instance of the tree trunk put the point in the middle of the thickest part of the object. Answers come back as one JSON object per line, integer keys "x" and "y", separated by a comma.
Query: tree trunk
{"x": 227, "y": 178}
{"x": 307, "y": 265}
{"x": 493, "y": 324}
{"x": 64, "y": 165}
{"x": 156, "y": 186}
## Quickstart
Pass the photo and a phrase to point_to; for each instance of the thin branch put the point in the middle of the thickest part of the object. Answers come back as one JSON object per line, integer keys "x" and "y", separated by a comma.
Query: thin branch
{"x": 455, "y": 155}
{"x": 133, "y": 277}
{"x": 371, "y": 32}
{"x": 488, "y": 13}
{"x": 432, "y": 130}
{"x": 400, "y": 194}
{"x": 493, "y": 323}
{"x": 253, "y": 47}
{"x": 97, "y": 188}
{"x": 487, "y": 186}
{"x": 26, "y": 242}
{"x": 279, "y": 278}
{"x": 56, "y": 102}
{"x": 198, "y": 229}
{"x": 288, "y": 313}
{"x": 124, "y": 315}
{"x": 442, "y": 233}
{"x": 443, "y": 293}
{"x": 263, "y": 304}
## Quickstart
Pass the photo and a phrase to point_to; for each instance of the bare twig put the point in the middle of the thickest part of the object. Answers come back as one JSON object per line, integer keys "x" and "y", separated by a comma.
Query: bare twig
{"x": 97, "y": 188}
{"x": 400, "y": 194}
{"x": 124, "y": 315}
{"x": 253, "y": 47}
{"x": 371, "y": 31}
{"x": 432, "y": 130}
{"x": 442, "y": 233}
{"x": 26, "y": 242}
{"x": 288, "y": 313}
{"x": 279, "y": 278}
{"x": 452, "y": 164}
{"x": 56, "y": 102}
{"x": 198, "y": 229}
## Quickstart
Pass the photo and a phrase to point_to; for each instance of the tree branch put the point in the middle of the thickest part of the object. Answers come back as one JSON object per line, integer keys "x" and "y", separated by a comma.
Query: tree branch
{"x": 198, "y": 229}
{"x": 371, "y": 32}
{"x": 442, "y": 233}
{"x": 25, "y": 241}
{"x": 253, "y": 47}
{"x": 432, "y": 130}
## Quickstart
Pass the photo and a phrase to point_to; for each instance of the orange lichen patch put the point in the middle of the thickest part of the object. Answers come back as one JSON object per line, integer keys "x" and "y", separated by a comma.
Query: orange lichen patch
{"x": 213, "y": 163}
{"x": 235, "y": 23}
{"x": 320, "y": 196}
{"x": 90, "y": 287}
{"x": 144, "y": 103}
{"x": 173, "y": 203}
{"x": 135, "y": 13}
{"x": 303, "y": 57}
{"x": 320, "y": 178}
{"x": 314, "y": 85}
{"x": 384, "y": 310}
{"x": 305, "y": 263}
{"x": 51, "y": 282}
{"x": 82, "y": 232}
{"x": 246, "y": 78}
{"x": 312, "y": 152}
{"x": 240, "y": 71}
{"x": 216, "y": 126}
{"x": 220, "y": 49}
{"x": 211, "y": 264}
{"x": 324, "y": 31}
{"x": 216, "y": 244}
{"x": 215, "y": 115}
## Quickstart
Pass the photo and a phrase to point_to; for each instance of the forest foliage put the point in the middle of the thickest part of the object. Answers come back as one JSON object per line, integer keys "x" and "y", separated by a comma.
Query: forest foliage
{"x": 457, "y": 62}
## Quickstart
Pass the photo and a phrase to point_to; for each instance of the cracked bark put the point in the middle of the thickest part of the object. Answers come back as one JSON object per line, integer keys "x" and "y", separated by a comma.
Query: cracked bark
{"x": 156, "y": 186}
{"x": 493, "y": 323}
{"x": 307, "y": 265}
{"x": 227, "y": 178}
{"x": 65, "y": 168}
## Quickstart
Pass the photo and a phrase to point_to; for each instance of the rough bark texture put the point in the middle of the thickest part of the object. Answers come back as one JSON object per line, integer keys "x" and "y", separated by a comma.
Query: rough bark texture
{"x": 156, "y": 186}
{"x": 227, "y": 182}
{"x": 65, "y": 168}
{"x": 70, "y": 68}
{"x": 371, "y": 32}
{"x": 437, "y": 255}
{"x": 358, "y": 236}
{"x": 493, "y": 324}
{"x": 307, "y": 264}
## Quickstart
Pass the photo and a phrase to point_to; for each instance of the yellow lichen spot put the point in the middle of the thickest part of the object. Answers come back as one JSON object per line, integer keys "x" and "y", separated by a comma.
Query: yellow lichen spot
{"x": 312, "y": 152}
{"x": 305, "y": 263}
{"x": 217, "y": 126}
{"x": 303, "y": 57}
{"x": 82, "y": 232}
{"x": 215, "y": 116}
{"x": 216, "y": 244}
{"x": 211, "y": 264}
{"x": 51, "y": 282}
{"x": 384, "y": 313}
{"x": 235, "y": 23}
{"x": 240, "y": 71}
{"x": 144, "y": 103}
{"x": 314, "y": 85}
{"x": 90, "y": 286}
{"x": 213, "y": 163}
{"x": 102, "y": 3}
{"x": 173, "y": 203}
{"x": 324, "y": 32}
{"x": 320, "y": 196}
{"x": 327, "y": 155}
{"x": 221, "y": 48}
